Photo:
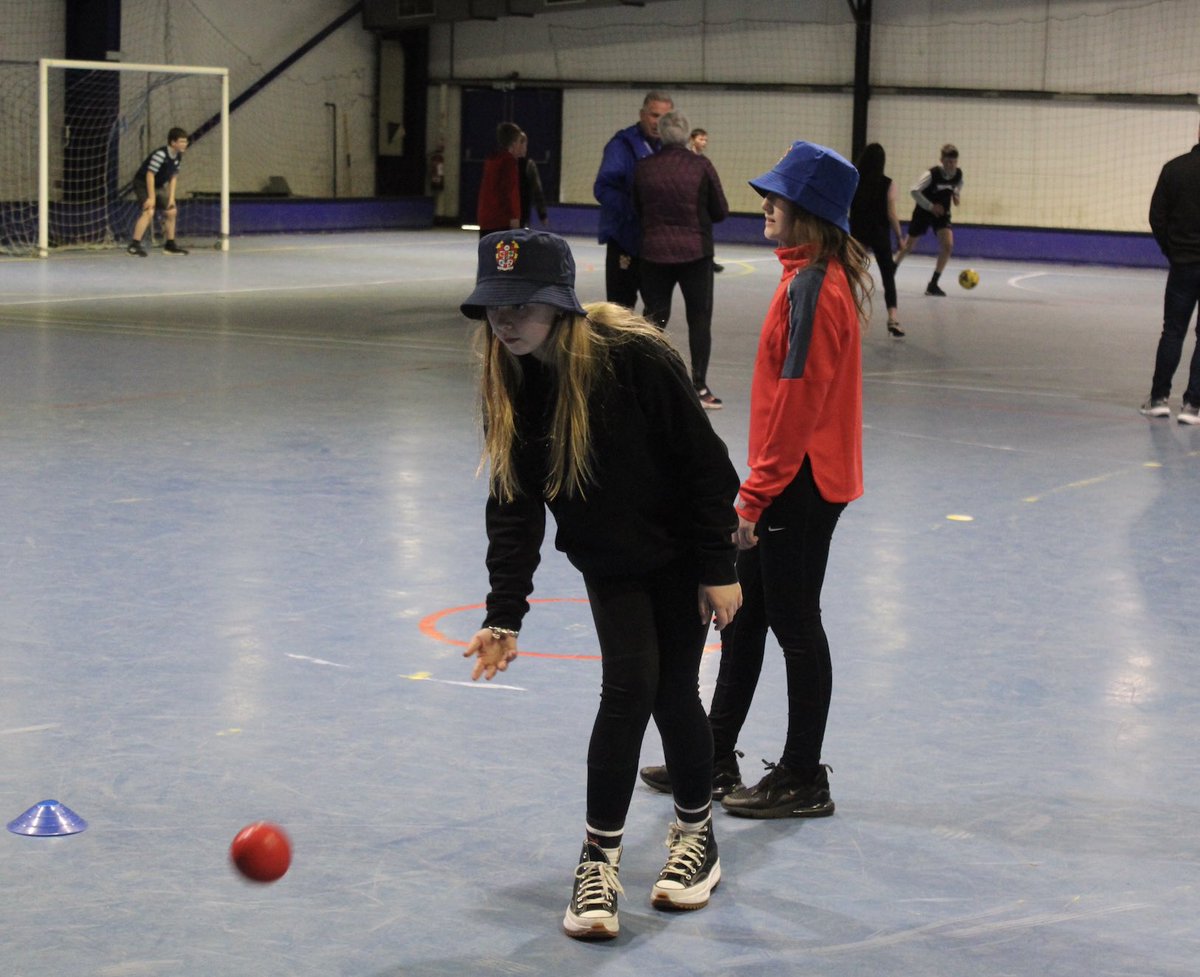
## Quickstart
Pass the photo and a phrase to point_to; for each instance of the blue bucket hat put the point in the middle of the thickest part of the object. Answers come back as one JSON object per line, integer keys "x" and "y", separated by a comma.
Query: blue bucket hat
{"x": 815, "y": 178}
{"x": 522, "y": 266}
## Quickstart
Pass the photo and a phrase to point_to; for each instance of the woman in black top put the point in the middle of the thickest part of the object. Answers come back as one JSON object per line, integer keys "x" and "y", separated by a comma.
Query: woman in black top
{"x": 873, "y": 221}
{"x": 590, "y": 413}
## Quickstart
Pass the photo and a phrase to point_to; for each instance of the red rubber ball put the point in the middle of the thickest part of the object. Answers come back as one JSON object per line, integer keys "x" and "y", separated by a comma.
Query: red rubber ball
{"x": 262, "y": 851}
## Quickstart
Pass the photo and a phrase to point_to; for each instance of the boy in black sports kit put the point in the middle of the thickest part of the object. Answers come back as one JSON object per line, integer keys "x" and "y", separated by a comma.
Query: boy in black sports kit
{"x": 154, "y": 184}
{"x": 938, "y": 188}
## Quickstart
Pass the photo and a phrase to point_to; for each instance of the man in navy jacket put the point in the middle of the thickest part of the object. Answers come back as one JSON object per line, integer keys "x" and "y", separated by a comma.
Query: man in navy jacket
{"x": 1175, "y": 221}
{"x": 619, "y": 226}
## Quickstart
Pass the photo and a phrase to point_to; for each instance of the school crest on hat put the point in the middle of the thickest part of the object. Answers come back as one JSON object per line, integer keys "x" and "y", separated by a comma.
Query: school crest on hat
{"x": 507, "y": 253}
{"x": 520, "y": 266}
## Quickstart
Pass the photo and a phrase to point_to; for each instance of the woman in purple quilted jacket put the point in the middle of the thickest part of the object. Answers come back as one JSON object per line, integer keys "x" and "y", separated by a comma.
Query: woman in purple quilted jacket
{"x": 678, "y": 198}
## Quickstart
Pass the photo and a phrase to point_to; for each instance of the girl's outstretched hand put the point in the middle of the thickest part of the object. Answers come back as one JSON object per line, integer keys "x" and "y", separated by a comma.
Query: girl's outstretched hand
{"x": 492, "y": 653}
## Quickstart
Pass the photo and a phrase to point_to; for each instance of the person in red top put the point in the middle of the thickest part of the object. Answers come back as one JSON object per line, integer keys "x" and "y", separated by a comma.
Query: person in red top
{"x": 499, "y": 207}
{"x": 805, "y": 456}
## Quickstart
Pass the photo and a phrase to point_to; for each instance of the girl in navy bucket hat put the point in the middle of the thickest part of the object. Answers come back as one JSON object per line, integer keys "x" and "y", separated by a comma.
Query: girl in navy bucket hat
{"x": 805, "y": 458}
{"x": 590, "y": 413}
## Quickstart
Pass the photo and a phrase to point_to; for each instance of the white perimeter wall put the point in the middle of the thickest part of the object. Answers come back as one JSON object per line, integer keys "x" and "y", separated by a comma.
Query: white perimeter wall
{"x": 1063, "y": 163}
{"x": 1028, "y": 161}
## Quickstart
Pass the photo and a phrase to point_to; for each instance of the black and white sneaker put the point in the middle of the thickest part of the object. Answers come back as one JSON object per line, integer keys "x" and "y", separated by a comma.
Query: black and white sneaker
{"x": 172, "y": 248}
{"x": 1156, "y": 407}
{"x": 135, "y": 248}
{"x": 592, "y": 914}
{"x": 783, "y": 793}
{"x": 1188, "y": 414}
{"x": 692, "y": 871}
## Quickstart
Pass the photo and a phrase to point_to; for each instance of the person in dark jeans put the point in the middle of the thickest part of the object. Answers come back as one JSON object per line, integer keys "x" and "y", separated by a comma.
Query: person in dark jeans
{"x": 1175, "y": 221}
{"x": 678, "y": 197}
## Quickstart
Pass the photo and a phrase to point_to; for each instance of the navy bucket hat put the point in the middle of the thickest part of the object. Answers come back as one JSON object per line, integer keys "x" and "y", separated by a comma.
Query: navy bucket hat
{"x": 815, "y": 178}
{"x": 522, "y": 266}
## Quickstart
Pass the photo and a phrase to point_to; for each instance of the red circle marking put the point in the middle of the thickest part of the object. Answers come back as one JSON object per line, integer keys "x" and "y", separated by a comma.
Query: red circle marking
{"x": 429, "y": 627}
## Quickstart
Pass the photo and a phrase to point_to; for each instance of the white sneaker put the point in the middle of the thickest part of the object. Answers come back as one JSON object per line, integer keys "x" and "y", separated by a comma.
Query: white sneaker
{"x": 1156, "y": 407}
{"x": 592, "y": 914}
{"x": 1189, "y": 414}
{"x": 692, "y": 871}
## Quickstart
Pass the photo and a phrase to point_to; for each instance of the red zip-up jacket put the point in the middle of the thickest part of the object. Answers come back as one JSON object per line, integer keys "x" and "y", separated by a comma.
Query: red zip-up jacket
{"x": 806, "y": 394}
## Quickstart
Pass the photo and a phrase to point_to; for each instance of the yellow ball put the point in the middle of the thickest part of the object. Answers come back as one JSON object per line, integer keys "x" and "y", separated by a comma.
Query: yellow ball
{"x": 968, "y": 278}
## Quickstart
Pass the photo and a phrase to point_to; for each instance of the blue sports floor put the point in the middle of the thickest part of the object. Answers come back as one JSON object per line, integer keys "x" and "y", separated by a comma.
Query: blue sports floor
{"x": 242, "y": 546}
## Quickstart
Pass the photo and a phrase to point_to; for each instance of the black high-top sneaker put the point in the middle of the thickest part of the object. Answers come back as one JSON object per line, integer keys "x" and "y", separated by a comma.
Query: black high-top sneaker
{"x": 592, "y": 914}
{"x": 692, "y": 870}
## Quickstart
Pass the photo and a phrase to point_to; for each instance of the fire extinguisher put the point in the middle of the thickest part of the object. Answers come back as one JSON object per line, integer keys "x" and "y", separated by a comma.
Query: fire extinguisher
{"x": 437, "y": 171}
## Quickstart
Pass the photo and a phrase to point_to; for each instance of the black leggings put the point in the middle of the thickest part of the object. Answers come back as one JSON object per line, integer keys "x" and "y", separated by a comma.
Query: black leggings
{"x": 781, "y": 582}
{"x": 880, "y": 244}
{"x": 695, "y": 281}
{"x": 651, "y": 640}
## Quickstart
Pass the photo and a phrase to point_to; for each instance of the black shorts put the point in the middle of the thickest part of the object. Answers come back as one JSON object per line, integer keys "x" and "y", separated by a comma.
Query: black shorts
{"x": 160, "y": 194}
{"x": 923, "y": 220}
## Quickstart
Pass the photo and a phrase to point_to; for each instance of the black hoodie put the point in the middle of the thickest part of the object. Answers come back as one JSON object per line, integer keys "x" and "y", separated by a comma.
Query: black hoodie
{"x": 663, "y": 486}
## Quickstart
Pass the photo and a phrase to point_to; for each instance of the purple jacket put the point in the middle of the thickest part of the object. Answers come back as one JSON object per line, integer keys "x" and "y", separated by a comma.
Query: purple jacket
{"x": 678, "y": 197}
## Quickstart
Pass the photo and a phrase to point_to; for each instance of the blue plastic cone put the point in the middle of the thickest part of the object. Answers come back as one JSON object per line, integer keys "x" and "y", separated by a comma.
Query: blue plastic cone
{"x": 47, "y": 820}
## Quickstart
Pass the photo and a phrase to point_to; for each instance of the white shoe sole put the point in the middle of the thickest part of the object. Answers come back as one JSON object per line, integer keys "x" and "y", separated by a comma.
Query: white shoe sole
{"x": 1189, "y": 419}
{"x": 586, "y": 928}
{"x": 695, "y": 897}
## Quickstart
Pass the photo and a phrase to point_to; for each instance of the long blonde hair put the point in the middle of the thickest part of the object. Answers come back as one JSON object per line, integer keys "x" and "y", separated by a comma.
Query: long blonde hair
{"x": 577, "y": 352}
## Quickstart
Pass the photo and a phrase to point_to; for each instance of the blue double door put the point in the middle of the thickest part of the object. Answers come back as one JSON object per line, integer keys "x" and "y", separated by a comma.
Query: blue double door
{"x": 538, "y": 111}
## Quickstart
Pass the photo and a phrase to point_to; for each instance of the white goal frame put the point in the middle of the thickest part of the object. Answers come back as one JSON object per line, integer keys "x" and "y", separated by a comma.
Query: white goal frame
{"x": 44, "y": 66}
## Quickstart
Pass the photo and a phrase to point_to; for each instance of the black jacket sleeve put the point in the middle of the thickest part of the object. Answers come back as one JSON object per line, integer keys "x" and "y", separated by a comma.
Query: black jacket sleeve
{"x": 699, "y": 459}
{"x": 1160, "y": 210}
{"x": 515, "y": 531}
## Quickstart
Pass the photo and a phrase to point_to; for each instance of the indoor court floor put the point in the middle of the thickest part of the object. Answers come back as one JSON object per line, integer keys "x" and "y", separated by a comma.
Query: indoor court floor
{"x": 242, "y": 548}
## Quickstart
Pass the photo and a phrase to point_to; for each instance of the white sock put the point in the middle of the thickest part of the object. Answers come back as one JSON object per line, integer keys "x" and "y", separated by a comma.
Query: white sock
{"x": 692, "y": 827}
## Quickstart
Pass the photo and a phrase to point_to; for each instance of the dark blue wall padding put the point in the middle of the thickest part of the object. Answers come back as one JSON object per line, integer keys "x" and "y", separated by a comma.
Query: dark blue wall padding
{"x": 970, "y": 240}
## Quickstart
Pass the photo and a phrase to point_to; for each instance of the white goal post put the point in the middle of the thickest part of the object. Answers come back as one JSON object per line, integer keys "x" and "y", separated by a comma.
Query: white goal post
{"x": 48, "y": 65}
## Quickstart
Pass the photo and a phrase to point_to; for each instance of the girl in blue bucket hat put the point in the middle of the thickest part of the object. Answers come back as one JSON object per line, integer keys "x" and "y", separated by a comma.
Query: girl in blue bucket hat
{"x": 805, "y": 457}
{"x": 590, "y": 413}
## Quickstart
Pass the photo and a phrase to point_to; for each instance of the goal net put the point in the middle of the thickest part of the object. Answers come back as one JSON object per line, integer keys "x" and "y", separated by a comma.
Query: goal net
{"x": 76, "y": 133}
